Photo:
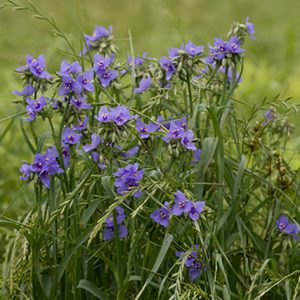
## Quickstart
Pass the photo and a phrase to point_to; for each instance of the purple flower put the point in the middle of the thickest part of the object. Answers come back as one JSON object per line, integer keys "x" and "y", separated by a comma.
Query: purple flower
{"x": 217, "y": 52}
{"x": 39, "y": 163}
{"x": 120, "y": 115}
{"x": 187, "y": 140}
{"x": 221, "y": 48}
{"x": 282, "y": 223}
{"x": 196, "y": 156}
{"x": 250, "y": 29}
{"x": 45, "y": 179}
{"x": 31, "y": 113}
{"x": 66, "y": 155}
{"x": 104, "y": 115}
{"x": 182, "y": 204}
{"x": 25, "y": 171}
{"x": 70, "y": 137}
{"x": 292, "y": 228}
{"x": 28, "y": 90}
{"x": 101, "y": 62}
{"x": 81, "y": 125}
{"x": 167, "y": 65}
{"x": 108, "y": 233}
{"x": 66, "y": 68}
{"x": 97, "y": 158}
{"x": 120, "y": 217}
{"x": 34, "y": 106}
{"x": 131, "y": 152}
{"x": 144, "y": 85}
{"x": 192, "y": 262}
{"x": 96, "y": 140}
{"x": 137, "y": 60}
{"x": 182, "y": 123}
{"x": 44, "y": 165}
{"x": 195, "y": 270}
{"x": 192, "y": 49}
{"x": 50, "y": 157}
{"x": 233, "y": 45}
{"x": 69, "y": 85}
{"x": 144, "y": 129}
{"x": 175, "y": 132}
{"x": 269, "y": 115}
{"x": 191, "y": 258}
{"x": 161, "y": 216}
{"x": 174, "y": 52}
{"x": 52, "y": 169}
{"x": 196, "y": 209}
{"x": 128, "y": 179}
{"x": 51, "y": 154}
{"x": 106, "y": 76}
{"x": 80, "y": 102}
{"x": 284, "y": 226}
{"x": 36, "y": 67}
{"x": 98, "y": 33}
{"x": 86, "y": 80}
{"x": 93, "y": 41}
{"x": 37, "y": 104}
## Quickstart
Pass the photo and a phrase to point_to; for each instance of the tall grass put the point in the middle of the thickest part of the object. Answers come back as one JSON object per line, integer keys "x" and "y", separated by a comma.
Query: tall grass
{"x": 57, "y": 250}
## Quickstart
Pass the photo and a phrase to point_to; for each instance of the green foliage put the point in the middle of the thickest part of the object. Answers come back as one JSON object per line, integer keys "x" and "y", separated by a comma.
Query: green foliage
{"x": 55, "y": 250}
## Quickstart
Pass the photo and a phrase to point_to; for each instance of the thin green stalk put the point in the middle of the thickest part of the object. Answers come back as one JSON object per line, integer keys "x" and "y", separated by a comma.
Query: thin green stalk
{"x": 190, "y": 95}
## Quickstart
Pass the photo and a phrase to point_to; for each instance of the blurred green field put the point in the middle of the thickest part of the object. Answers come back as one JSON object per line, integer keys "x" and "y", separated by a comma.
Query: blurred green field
{"x": 272, "y": 60}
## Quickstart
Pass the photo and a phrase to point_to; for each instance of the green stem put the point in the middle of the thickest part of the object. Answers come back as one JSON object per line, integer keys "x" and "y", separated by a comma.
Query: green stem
{"x": 190, "y": 94}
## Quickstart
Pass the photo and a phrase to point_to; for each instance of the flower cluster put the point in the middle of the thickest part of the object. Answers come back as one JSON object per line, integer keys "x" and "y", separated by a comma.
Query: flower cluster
{"x": 119, "y": 115}
{"x": 128, "y": 179}
{"x": 35, "y": 68}
{"x": 97, "y": 158}
{"x": 189, "y": 49}
{"x": 289, "y": 228}
{"x": 181, "y": 206}
{"x": 223, "y": 49}
{"x": 178, "y": 131}
{"x": 106, "y": 131}
{"x": 109, "y": 228}
{"x": 99, "y": 40}
{"x": 192, "y": 262}
{"x": 34, "y": 107}
{"x": 102, "y": 68}
{"x": 69, "y": 137}
{"x": 145, "y": 129}
{"x": 144, "y": 85}
{"x": 28, "y": 90}
{"x": 44, "y": 165}
{"x": 75, "y": 84}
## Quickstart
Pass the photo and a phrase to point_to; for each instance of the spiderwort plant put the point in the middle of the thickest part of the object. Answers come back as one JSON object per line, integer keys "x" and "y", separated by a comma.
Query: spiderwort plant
{"x": 139, "y": 159}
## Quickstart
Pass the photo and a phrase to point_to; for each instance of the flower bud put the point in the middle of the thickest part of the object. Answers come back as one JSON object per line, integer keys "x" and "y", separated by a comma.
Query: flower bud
{"x": 180, "y": 66}
{"x": 114, "y": 137}
{"x": 170, "y": 149}
{"x": 236, "y": 30}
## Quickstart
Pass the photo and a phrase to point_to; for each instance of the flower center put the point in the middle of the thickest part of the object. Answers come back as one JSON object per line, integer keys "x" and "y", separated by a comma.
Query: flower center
{"x": 282, "y": 226}
{"x": 71, "y": 137}
{"x": 163, "y": 215}
{"x": 106, "y": 75}
{"x": 181, "y": 204}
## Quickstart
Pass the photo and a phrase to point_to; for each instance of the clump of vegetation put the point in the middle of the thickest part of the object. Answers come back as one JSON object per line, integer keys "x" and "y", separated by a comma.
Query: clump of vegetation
{"x": 147, "y": 181}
